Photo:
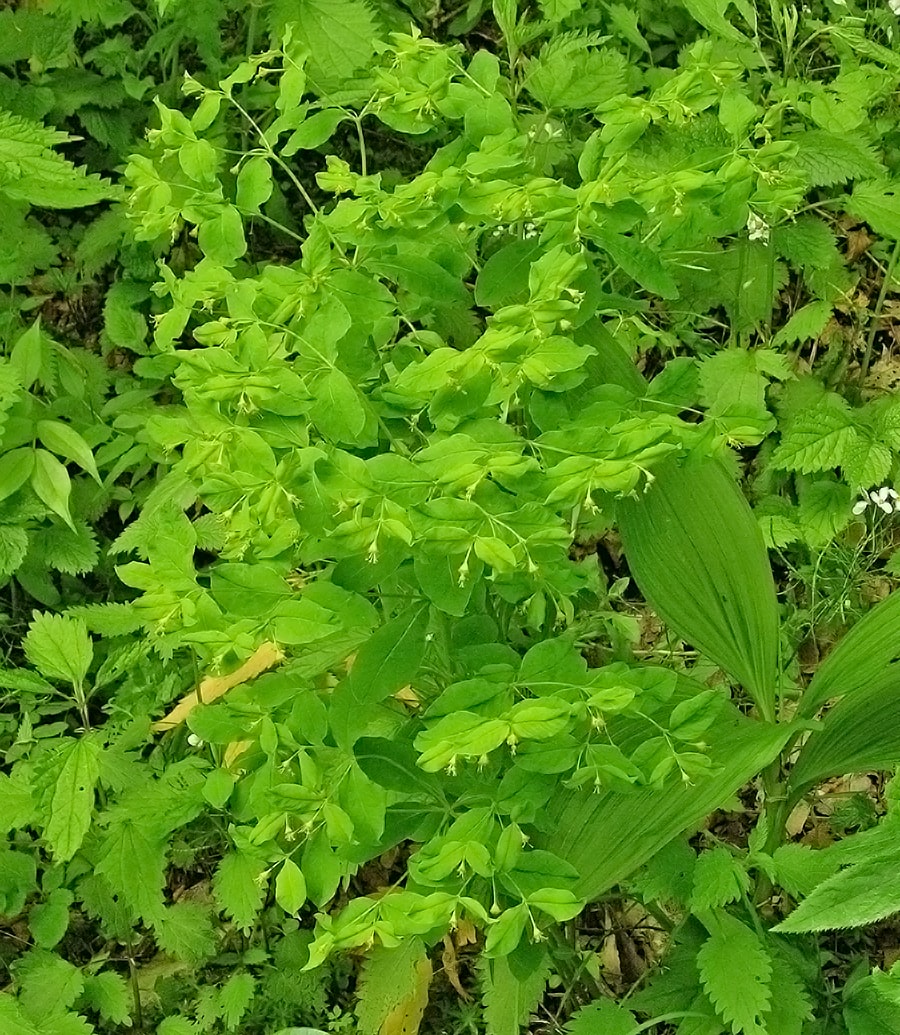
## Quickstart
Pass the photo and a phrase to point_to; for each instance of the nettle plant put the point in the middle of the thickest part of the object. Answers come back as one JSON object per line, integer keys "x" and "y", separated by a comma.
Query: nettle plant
{"x": 375, "y": 459}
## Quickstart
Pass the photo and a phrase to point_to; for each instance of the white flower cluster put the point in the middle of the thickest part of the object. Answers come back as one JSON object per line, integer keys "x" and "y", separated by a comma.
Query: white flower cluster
{"x": 895, "y": 7}
{"x": 757, "y": 228}
{"x": 884, "y": 498}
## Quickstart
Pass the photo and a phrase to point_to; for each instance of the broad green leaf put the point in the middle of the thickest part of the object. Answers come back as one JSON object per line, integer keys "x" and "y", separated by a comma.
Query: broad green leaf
{"x": 221, "y": 237}
{"x": 858, "y": 895}
{"x": 872, "y": 1004}
{"x": 386, "y": 663}
{"x": 866, "y": 656}
{"x": 238, "y": 887}
{"x": 711, "y": 14}
{"x": 49, "y": 920}
{"x": 65, "y": 441}
{"x": 50, "y": 481}
{"x": 314, "y": 131}
{"x": 388, "y": 977}
{"x": 607, "y": 836}
{"x": 59, "y": 647}
{"x": 109, "y": 994}
{"x": 73, "y": 799}
{"x": 511, "y": 992}
{"x": 503, "y": 279}
{"x": 290, "y": 887}
{"x": 697, "y": 553}
{"x": 604, "y": 1016}
{"x": 254, "y": 184}
{"x": 858, "y": 734}
{"x": 15, "y": 469}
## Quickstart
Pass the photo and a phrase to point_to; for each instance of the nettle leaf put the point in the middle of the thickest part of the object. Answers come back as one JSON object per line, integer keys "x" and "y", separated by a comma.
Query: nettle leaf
{"x": 49, "y": 920}
{"x": 571, "y": 71}
{"x": 856, "y": 896}
{"x": 389, "y": 976}
{"x": 109, "y": 995}
{"x": 826, "y": 158}
{"x": 705, "y": 570}
{"x": 339, "y": 35}
{"x": 73, "y": 798}
{"x": 511, "y": 993}
{"x": 872, "y": 1004}
{"x": 185, "y": 930}
{"x": 736, "y": 971}
{"x": 805, "y": 324}
{"x": 602, "y": 1016}
{"x": 235, "y": 997}
{"x": 59, "y": 647}
{"x": 878, "y": 203}
{"x": 817, "y": 438}
{"x": 719, "y": 879}
{"x": 239, "y": 887}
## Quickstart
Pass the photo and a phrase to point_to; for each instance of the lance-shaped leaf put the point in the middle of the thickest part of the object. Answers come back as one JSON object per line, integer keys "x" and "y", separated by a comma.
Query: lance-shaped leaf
{"x": 859, "y": 734}
{"x": 853, "y": 897}
{"x": 866, "y": 656}
{"x": 698, "y": 556}
{"x": 607, "y": 836}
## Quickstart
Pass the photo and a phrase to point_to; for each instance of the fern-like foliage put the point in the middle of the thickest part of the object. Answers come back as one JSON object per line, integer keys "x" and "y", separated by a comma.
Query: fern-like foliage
{"x": 32, "y": 171}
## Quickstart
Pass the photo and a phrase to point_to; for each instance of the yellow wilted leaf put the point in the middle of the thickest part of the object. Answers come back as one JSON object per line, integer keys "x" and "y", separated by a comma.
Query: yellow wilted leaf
{"x": 266, "y": 656}
{"x": 406, "y": 1017}
{"x": 234, "y": 751}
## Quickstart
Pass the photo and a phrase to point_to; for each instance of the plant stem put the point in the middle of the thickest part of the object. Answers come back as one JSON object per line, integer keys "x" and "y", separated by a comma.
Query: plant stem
{"x": 876, "y": 314}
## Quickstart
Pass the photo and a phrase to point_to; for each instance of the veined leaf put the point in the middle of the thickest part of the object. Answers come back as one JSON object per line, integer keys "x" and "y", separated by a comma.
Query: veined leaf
{"x": 865, "y": 656}
{"x": 855, "y": 896}
{"x": 736, "y": 972}
{"x": 608, "y": 836}
{"x": 698, "y": 555}
{"x": 73, "y": 799}
{"x": 858, "y": 734}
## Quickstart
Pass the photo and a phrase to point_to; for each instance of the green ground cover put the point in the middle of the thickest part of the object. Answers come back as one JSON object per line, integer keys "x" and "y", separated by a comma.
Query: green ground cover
{"x": 448, "y": 527}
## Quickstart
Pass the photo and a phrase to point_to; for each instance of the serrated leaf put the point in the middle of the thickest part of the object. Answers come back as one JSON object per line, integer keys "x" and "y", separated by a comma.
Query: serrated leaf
{"x": 816, "y": 439}
{"x": 71, "y": 550}
{"x": 736, "y": 971}
{"x": 133, "y": 865}
{"x": 59, "y": 647}
{"x": 509, "y": 997}
{"x": 49, "y": 920}
{"x": 602, "y": 1016}
{"x": 391, "y": 981}
{"x": 73, "y": 798}
{"x": 235, "y": 997}
{"x": 806, "y": 324}
{"x": 13, "y": 548}
{"x": 185, "y": 930}
{"x": 856, "y": 896}
{"x": 872, "y": 1004}
{"x": 108, "y": 994}
{"x": 705, "y": 570}
{"x": 239, "y": 887}
{"x": 719, "y": 879}
{"x": 878, "y": 203}
{"x": 826, "y": 159}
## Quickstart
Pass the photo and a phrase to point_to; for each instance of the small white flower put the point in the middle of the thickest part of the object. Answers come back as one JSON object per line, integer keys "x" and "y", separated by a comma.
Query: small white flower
{"x": 757, "y": 228}
{"x": 859, "y": 507}
{"x": 194, "y": 740}
{"x": 894, "y": 5}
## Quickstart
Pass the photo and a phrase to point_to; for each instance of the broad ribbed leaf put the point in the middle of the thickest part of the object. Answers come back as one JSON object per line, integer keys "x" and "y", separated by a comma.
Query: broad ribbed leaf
{"x": 607, "y": 836}
{"x": 867, "y": 655}
{"x": 859, "y": 734}
{"x": 698, "y": 555}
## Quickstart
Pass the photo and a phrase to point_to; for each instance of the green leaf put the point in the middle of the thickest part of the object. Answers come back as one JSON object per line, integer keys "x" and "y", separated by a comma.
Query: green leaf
{"x": 49, "y": 920}
{"x": 65, "y": 441}
{"x": 854, "y": 897}
{"x": 511, "y": 994}
{"x": 826, "y": 158}
{"x": 254, "y": 184}
{"x": 15, "y": 469}
{"x": 388, "y": 661}
{"x": 222, "y": 237}
{"x": 185, "y": 930}
{"x": 719, "y": 879}
{"x": 337, "y": 408}
{"x": 339, "y": 35}
{"x": 108, "y": 994}
{"x": 506, "y": 932}
{"x": 239, "y": 888}
{"x": 290, "y": 887}
{"x": 73, "y": 798}
{"x": 18, "y": 873}
{"x": 569, "y": 74}
{"x": 389, "y": 976}
{"x": 503, "y": 279}
{"x": 806, "y": 324}
{"x": 711, "y": 15}
{"x": 872, "y": 1004}
{"x": 607, "y": 836}
{"x": 878, "y": 203}
{"x": 133, "y": 866}
{"x": 705, "y": 570}
{"x": 736, "y": 970}
{"x": 314, "y": 131}
{"x": 235, "y": 997}
{"x": 602, "y": 1016}
{"x": 50, "y": 481}
{"x": 59, "y": 647}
